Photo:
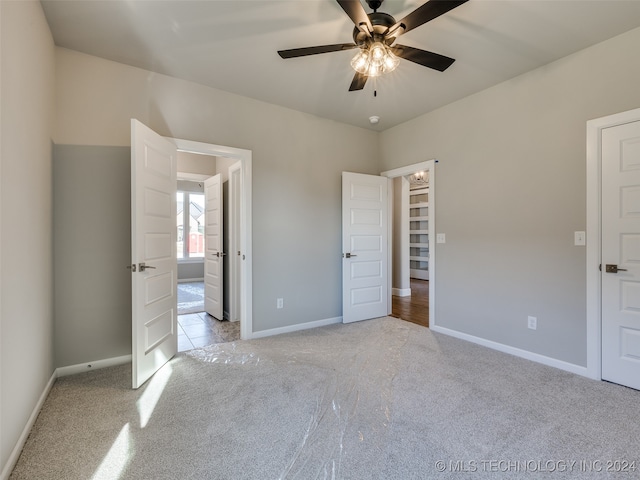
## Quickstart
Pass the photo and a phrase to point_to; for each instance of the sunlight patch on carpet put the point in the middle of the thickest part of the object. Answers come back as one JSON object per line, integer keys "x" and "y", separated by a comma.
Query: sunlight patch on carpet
{"x": 117, "y": 459}
{"x": 152, "y": 393}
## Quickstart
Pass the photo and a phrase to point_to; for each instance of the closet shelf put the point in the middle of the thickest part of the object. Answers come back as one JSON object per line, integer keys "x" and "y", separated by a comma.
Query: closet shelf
{"x": 418, "y": 229}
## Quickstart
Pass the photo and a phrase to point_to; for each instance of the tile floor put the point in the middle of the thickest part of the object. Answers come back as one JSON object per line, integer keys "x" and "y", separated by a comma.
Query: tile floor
{"x": 200, "y": 329}
{"x": 195, "y": 327}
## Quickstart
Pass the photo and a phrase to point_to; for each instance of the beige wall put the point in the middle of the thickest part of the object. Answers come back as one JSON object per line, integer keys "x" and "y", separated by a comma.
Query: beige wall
{"x": 92, "y": 247}
{"x": 26, "y": 310}
{"x": 511, "y": 187}
{"x": 401, "y": 272}
{"x": 297, "y": 163}
{"x": 194, "y": 163}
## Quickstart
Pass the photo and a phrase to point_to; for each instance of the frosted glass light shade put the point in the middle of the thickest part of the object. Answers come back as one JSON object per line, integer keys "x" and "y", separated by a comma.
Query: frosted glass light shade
{"x": 360, "y": 62}
{"x": 375, "y": 60}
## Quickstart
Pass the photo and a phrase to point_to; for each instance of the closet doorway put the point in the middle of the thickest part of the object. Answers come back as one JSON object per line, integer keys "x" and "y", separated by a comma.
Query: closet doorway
{"x": 412, "y": 233}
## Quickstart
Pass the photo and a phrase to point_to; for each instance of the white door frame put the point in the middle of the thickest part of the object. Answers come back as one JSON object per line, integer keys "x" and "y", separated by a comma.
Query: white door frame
{"x": 245, "y": 158}
{"x": 235, "y": 261}
{"x": 426, "y": 166}
{"x": 594, "y": 230}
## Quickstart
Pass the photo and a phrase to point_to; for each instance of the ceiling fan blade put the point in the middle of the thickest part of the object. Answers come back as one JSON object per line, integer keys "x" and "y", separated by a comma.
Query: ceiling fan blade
{"x": 356, "y": 13}
{"x": 301, "y": 52}
{"x": 427, "y": 12}
{"x": 358, "y": 82}
{"x": 422, "y": 57}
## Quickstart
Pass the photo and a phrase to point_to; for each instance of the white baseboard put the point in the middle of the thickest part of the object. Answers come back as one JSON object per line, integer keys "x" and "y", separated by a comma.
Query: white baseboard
{"x": 534, "y": 357}
{"x": 401, "y": 292}
{"x": 296, "y": 328}
{"x": 15, "y": 453}
{"x": 85, "y": 367}
{"x": 190, "y": 280}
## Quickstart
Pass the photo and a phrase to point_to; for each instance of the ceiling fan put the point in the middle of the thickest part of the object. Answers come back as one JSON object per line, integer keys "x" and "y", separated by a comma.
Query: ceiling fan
{"x": 375, "y": 33}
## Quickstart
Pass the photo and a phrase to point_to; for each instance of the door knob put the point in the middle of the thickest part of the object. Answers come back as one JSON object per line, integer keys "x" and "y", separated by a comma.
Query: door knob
{"x": 609, "y": 268}
{"x": 144, "y": 267}
{"x": 132, "y": 267}
{"x": 349, "y": 255}
{"x": 220, "y": 254}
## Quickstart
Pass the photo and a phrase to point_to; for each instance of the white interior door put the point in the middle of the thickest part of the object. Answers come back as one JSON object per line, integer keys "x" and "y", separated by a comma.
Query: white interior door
{"x": 213, "y": 259}
{"x": 153, "y": 248}
{"x": 364, "y": 247}
{"x": 621, "y": 251}
{"x": 235, "y": 250}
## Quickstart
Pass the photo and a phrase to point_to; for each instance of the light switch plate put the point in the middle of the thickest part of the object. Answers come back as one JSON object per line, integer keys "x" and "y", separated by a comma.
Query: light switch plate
{"x": 579, "y": 239}
{"x": 440, "y": 238}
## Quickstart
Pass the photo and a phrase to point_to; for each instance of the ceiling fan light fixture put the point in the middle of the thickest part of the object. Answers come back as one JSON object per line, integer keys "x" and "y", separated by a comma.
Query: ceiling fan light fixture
{"x": 375, "y": 60}
{"x": 374, "y": 70}
{"x": 390, "y": 61}
{"x": 378, "y": 53}
{"x": 360, "y": 62}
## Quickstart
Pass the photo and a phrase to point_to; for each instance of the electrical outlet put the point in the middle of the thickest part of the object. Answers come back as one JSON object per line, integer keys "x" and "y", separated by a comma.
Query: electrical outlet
{"x": 441, "y": 238}
{"x": 280, "y": 303}
{"x": 532, "y": 322}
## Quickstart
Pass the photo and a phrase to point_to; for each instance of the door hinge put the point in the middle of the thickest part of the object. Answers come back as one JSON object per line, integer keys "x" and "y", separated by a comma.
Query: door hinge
{"x": 600, "y": 267}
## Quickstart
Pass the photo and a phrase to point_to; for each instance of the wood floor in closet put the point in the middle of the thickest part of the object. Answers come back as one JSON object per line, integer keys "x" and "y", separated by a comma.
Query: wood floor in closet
{"x": 415, "y": 308}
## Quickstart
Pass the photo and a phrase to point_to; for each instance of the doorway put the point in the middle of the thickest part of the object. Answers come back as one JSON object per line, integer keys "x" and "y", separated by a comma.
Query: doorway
{"x": 153, "y": 245}
{"x": 190, "y": 222}
{"x": 411, "y": 250}
{"x": 236, "y": 166}
{"x": 410, "y": 269}
{"x": 202, "y": 206}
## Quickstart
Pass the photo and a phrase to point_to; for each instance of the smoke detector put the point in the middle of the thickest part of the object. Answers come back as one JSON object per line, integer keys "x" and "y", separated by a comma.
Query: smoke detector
{"x": 373, "y": 119}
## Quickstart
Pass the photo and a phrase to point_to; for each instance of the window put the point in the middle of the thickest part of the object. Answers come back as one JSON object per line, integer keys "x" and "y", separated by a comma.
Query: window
{"x": 190, "y": 224}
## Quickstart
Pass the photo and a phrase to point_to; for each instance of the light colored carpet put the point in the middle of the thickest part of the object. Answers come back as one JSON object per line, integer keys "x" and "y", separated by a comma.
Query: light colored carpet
{"x": 381, "y": 399}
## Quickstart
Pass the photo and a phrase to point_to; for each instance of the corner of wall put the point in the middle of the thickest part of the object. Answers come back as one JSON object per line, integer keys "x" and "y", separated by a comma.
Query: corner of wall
{"x": 27, "y": 73}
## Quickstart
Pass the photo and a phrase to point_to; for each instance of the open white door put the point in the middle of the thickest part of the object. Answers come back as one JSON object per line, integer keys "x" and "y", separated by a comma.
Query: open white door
{"x": 213, "y": 264}
{"x": 235, "y": 248}
{"x": 621, "y": 254}
{"x": 364, "y": 247}
{"x": 153, "y": 248}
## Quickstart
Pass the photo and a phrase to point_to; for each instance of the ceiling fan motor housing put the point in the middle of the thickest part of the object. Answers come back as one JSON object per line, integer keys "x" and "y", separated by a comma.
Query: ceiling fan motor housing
{"x": 381, "y": 22}
{"x": 374, "y": 4}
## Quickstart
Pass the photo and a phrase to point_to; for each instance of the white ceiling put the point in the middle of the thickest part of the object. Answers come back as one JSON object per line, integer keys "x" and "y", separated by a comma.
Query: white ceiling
{"x": 232, "y": 45}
